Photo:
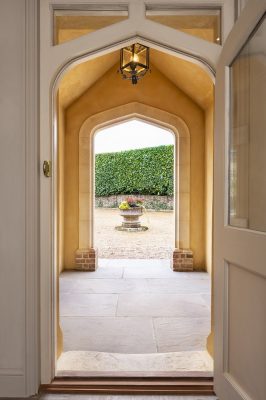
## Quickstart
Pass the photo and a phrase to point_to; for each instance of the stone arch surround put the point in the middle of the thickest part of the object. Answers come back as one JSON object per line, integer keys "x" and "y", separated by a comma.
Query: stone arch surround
{"x": 86, "y": 255}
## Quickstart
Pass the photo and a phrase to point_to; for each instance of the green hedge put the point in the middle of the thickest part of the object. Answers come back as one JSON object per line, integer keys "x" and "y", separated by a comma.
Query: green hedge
{"x": 142, "y": 171}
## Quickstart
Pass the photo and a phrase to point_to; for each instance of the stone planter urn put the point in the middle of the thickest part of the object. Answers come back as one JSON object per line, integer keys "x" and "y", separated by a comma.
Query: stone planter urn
{"x": 131, "y": 217}
{"x": 131, "y": 220}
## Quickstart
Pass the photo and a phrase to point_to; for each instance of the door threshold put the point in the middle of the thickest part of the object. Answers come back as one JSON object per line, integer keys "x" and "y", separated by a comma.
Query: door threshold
{"x": 133, "y": 374}
{"x": 182, "y": 385}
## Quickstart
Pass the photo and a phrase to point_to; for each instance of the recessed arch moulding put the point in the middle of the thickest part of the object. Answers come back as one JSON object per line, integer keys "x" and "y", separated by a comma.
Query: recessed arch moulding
{"x": 157, "y": 100}
{"x": 86, "y": 255}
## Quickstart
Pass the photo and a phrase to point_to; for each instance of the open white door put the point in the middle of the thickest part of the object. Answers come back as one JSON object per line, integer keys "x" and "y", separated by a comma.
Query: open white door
{"x": 240, "y": 210}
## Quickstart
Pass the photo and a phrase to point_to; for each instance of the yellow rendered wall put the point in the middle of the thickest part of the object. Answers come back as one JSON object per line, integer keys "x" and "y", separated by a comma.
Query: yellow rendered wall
{"x": 157, "y": 91}
{"x": 61, "y": 178}
{"x": 60, "y": 227}
{"x": 208, "y": 186}
{"x": 209, "y": 117}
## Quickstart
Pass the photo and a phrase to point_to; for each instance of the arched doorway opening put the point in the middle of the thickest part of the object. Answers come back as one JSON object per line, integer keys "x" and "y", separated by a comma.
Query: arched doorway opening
{"x": 182, "y": 179}
{"x": 120, "y": 103}
{"x": 62, "y": 58}
{"x": 134, "y": 160}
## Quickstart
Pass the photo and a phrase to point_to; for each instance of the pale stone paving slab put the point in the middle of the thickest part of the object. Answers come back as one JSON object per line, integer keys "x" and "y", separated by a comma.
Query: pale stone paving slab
{"x": 182, "y": 286}
{"x": 161, "y": 305}
{"x": 207, "y": 298}
{"x": 181, "y": 334}
{"x": 148, "y": 271}
{"x": 134, "y": 306}
{"x": 88, "y": 304}
{"x": 103, "y": 285}
{"x": 103, "y": 272}
{"x": 109, "y": 334}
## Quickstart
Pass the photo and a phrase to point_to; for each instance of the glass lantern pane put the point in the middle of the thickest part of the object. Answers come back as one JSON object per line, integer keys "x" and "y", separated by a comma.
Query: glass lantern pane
{"x": 127, "y": 55}
{"x": 142, "y": 57}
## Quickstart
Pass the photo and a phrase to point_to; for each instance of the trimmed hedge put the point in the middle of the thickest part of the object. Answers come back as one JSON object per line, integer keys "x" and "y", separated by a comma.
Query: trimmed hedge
{"x": 141, "y": 171}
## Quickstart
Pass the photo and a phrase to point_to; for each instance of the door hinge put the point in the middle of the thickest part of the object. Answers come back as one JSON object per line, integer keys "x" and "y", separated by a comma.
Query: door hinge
{"x": 47, "y": 168}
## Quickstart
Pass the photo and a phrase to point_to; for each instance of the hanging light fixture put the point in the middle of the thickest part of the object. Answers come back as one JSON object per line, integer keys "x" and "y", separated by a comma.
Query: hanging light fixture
{"x": 134, "y": 62}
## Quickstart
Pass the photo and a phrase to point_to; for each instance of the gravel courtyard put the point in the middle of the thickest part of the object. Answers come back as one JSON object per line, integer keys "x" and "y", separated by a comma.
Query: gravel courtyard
{"x": 156, "y": 242}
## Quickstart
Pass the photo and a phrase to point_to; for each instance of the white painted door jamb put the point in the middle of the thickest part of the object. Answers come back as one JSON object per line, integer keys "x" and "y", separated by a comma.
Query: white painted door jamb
{"x": 54, "y": 61}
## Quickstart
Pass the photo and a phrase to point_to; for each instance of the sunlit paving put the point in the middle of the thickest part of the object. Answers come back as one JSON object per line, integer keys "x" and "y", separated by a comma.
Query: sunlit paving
{"x": 136, "y": 316}
{"x": 135, "y": 306}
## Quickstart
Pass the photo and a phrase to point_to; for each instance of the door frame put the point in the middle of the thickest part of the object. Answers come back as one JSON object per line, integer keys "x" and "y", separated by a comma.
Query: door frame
{"x": 252, "y": 243}
{"x": 54, "y": 62}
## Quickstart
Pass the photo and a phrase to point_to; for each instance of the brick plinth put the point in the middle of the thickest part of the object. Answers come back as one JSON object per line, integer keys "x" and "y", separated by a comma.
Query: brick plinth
{"x": 86, "y": 259}
{"x": 182, "y": 260}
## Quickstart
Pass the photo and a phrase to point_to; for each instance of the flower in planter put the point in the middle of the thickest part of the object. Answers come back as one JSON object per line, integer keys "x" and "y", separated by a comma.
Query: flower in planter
{"x": 124, "y": 205}
{"x": 131, "y": 202}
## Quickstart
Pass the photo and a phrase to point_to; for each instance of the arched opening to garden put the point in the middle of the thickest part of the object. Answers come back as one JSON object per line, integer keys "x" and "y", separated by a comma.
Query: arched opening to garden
{"x": 134, "y": 191}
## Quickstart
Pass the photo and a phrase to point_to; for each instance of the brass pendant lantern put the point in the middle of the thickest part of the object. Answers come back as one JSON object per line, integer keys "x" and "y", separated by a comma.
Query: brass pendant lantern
{"x": 134, "y": 62}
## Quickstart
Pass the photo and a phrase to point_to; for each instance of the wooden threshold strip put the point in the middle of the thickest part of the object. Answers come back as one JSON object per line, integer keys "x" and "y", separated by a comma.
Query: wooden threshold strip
{"x": 170, "y": 385}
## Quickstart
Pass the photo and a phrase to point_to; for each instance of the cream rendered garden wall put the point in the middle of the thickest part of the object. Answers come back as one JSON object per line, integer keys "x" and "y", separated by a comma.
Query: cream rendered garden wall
{"x": 157, "y": 91}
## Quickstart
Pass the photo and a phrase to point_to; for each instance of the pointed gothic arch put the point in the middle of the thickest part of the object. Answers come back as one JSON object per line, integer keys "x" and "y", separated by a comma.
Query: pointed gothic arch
{"x": 86, "y": 255}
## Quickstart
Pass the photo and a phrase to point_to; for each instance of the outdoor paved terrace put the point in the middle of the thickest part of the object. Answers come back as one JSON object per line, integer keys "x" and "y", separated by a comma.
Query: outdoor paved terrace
{"x": 134, "y": 307}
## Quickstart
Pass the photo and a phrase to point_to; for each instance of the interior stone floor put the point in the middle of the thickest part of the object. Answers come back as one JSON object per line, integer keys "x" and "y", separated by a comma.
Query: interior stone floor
{"x": 134, "y": 307}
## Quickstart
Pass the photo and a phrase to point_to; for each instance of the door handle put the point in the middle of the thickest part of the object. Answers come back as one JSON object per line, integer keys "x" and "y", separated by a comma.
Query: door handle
{"x": 47, "y": 168}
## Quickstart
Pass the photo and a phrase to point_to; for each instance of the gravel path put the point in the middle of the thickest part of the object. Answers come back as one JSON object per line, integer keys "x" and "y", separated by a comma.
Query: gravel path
{"x": 156, "y": 242}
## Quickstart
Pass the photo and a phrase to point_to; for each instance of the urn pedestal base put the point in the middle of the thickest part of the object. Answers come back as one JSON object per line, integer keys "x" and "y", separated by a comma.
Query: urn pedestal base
{"x": 131, "y": 222}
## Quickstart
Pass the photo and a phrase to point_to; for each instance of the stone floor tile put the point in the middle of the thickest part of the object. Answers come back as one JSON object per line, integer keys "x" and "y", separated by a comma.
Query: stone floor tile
{"x": 111, "y": 272}
{"x": 181, "y": 334}
{"x": 207, "y": 298}
{"x": 148, "y": 271}
{"x": 104, "y": 286}
{"x": 67, "y": 285}
{"x": 180, "y": 285}
{"x": 196, "y": 275}
{"x": 141, "y": 263}
{"x": 108, "y": 334}
{"x": 161, "y": 305}
{"x": 88, "y": 304}
{"x": 129, "y": 293}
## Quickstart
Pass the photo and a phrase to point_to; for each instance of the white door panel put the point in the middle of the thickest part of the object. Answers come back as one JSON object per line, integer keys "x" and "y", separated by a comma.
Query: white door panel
{"x": 240, "y": 211}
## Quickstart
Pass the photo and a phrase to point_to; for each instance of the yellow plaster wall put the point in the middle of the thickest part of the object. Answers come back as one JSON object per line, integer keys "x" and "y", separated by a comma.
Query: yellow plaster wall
{"x": 61, "y": 178}
{"x": 209, "y": 117}
{"x": 208, "y": 186}
{"x": 154, "y": 90}
{"x": 60, "y": 227}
